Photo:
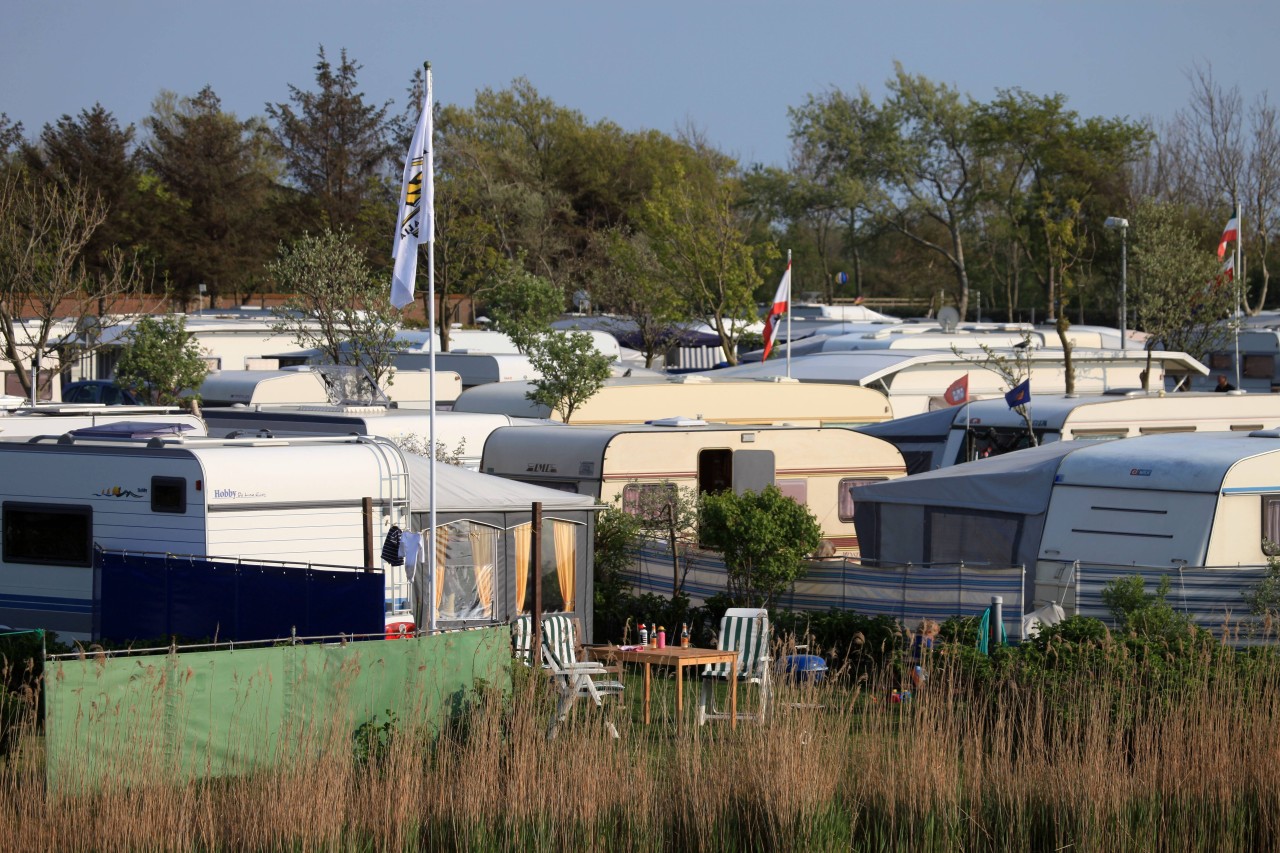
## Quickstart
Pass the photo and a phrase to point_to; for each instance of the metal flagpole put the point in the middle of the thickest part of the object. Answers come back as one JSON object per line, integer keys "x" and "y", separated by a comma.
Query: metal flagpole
{"x": 428, "y": 179}
{"x": 790, "y": 287}
{"x": 1235, "y": 276}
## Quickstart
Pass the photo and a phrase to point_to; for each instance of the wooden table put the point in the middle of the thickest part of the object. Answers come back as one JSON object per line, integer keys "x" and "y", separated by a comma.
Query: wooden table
{"x": 679, "y": 658}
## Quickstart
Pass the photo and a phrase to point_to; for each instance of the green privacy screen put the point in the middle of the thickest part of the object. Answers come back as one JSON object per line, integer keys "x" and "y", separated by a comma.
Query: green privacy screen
{"x": 223, "y": 713}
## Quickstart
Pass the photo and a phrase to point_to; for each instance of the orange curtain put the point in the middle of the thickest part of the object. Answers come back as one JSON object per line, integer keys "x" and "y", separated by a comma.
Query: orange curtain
{"x": 482, "y": 558}
{"x": 442, "y": 549}
{"x": 524, "y": 538}
{"x": 566, "y": 539}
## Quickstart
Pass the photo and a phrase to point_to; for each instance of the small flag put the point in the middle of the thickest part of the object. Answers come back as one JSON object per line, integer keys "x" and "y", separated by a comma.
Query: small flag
{"x": 416, "y": 219}
{"x": 958, "y": 391}
{"x": 781, "y": 300}
{"x": 1230, "y": 234}
{"x": 1228, "y": 272}
{"x": 1020, "y": 395}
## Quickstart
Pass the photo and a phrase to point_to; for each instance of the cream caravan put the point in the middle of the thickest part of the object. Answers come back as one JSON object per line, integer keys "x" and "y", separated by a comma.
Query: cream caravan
{"x": 813, "y": 465}
{"x": 768, "y": 402}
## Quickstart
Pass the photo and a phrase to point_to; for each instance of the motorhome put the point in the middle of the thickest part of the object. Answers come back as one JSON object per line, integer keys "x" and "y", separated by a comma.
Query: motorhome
{"x": 989, "y": 427}
{"x": 472, "y": 368}
{"x": 773, "y": 401}
{"x": 915, "y": 380}
{"x": 295, "y": 500}
{"x": 1175, "y": 500}
{"x": 816, "y": 466}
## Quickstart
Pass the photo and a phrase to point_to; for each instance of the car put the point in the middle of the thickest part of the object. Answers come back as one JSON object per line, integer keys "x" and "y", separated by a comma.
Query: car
{"x": 98, "y": 391}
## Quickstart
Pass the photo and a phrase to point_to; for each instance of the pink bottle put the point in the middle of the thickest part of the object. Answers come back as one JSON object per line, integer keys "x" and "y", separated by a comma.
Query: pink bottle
{"x": 662, "y": 638}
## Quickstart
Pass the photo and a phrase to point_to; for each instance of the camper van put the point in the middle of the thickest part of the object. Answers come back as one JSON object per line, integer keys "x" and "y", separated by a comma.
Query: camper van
{"x": 296, "y": 500}
{"x": 915, "y": 380}
{"x": 321, "y": 384}
{"x": 987, "y": 428}
{"x": 472, "y": 368}
{"x": 1175, "y": 500}
{"x": 771, "y": 401}
{"x": 815, "y": 466}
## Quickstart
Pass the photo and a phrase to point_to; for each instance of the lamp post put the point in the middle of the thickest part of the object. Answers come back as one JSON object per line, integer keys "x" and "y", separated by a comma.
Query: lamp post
{"x": 1123, "y": 225}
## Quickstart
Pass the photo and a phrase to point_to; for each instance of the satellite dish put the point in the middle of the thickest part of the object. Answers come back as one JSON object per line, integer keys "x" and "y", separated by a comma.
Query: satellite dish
{"x": 949, "y": 318}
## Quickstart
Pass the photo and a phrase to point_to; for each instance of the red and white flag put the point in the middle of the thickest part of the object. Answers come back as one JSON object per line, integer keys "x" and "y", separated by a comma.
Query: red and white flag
{"x": 958, "y": 392}
{"x": 1229, "y": 235}
{"x": 781, "y": 300}
{"x": 1228, "y": 272}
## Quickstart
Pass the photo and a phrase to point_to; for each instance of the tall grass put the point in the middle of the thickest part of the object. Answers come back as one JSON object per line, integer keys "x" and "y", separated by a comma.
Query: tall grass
{"x": 1096, "y": 758}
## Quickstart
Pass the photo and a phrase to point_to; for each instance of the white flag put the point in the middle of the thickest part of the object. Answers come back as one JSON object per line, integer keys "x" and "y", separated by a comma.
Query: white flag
{"x": 416, "y": 220}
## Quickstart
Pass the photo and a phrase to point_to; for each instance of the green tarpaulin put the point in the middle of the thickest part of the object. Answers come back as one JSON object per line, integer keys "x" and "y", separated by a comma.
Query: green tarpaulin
{"x": 218, "y": 713}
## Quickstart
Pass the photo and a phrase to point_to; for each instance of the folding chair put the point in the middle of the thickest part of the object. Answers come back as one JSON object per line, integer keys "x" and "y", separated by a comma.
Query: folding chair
{"x": 572, "y": 678}
{"x": 746, "y": 631}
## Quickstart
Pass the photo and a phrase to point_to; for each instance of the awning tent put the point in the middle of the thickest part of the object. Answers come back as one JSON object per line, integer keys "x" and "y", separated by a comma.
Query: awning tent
{"x": 483, "y": 543}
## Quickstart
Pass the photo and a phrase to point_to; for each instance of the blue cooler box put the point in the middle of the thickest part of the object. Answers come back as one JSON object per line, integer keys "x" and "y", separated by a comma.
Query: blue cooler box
{"x": 803, "y": 667}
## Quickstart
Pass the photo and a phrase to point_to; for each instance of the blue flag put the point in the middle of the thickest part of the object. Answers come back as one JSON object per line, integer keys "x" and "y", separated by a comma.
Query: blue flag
{"x": 1020, "y": 395}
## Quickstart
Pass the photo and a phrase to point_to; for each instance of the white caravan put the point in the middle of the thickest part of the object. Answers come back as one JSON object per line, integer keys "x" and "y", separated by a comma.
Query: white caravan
{"x": 990, "y": 428}
{"x": 915, "y": 380}
{"x": 23, "y": 422}
{"x": 298, "y": 501}
{"x": 748, "y": 402}
{"x": 462, "y": 434}
{"x": 815, "y": 466}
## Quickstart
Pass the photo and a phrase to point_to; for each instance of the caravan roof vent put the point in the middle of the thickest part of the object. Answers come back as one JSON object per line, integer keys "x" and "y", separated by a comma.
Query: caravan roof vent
{"x": 344, "y": 410}
{"x": 1265, "y": 433}
{"x": 791, "y": 379}
{"x": 688, "y": 379}
{"x": 677, "y": 422}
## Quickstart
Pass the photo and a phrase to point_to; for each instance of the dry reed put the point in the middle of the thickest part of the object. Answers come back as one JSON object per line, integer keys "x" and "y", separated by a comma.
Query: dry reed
{"x": 1098, "y": 761}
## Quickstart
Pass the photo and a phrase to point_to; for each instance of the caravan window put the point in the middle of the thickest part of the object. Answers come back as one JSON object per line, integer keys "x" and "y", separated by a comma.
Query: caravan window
{"x": 797, "y": 490}
{"x": 47, "y": 534}
{"x": 1259, "y": 366}
{"x": 168, "y": 494}
{"x": 846, "y": 496}
{"x": 1271, "y": 525}
{"x": 650, "y": 501}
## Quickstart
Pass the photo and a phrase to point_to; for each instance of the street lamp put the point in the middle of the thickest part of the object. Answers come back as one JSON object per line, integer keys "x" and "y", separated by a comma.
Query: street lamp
{"x": 1123, "y": 225}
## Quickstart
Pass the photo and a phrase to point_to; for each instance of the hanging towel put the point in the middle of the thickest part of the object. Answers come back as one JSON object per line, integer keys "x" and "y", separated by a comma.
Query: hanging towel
{"x": 391, "y": 547}
{"x": 411, "y": 550}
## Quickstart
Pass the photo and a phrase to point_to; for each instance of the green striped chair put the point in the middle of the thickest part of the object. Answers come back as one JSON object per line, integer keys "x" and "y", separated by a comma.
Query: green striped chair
{"x": 574, "y": 679}
{"x": 746, "y": 631}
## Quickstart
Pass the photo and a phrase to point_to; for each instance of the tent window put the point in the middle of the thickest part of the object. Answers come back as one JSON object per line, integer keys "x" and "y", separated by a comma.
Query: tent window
{"x": 954, "y": 536}
{"x": 1271, "y": 525}
{"x": 846, "y": 496}
{"x": 464, "y": 588}
{"x": 557, "y": 566}
{"x": 48, "y": 535}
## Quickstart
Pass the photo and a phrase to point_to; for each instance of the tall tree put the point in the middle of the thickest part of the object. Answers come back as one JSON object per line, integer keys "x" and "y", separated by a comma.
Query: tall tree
{"x": 699, "y": 237}
{"x": 522, "y": 305}
{"x": 216, "y": 173}
{"x": 338, "y": 149}
{"x": 634, "y": 289}
{"x": 93, "y": 149}
{"x": 929, "y": 170}
{"x": 10, "y": 135}
{"x": 50, "y": 301}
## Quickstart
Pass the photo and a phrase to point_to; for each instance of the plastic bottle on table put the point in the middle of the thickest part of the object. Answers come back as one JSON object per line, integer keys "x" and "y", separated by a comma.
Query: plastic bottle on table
{"x": 662, "y": 637}
{"x": 644, "y": 635}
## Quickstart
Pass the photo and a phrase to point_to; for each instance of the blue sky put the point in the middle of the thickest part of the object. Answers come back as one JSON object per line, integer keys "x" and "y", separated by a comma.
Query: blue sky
{"x": 730, "y": 69}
